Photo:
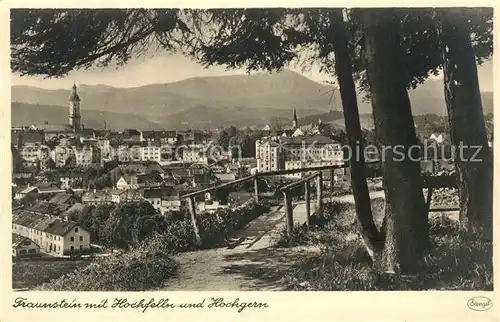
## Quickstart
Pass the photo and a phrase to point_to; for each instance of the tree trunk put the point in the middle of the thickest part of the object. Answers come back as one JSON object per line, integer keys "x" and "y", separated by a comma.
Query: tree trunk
{"x": 466, "y": 122}
{"x": 343, "y": 67}
{"x": 406, "y": 222}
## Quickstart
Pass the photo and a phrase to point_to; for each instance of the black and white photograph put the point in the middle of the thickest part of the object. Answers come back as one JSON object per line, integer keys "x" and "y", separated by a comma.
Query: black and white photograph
{"x": 252, "y": 149}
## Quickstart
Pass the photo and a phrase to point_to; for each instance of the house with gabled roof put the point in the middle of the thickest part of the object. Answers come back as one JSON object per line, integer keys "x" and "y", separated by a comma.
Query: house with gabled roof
{"x": 64, "y": 198}
{"x": 54, "y": 235}
{"x": 23, "y": 246}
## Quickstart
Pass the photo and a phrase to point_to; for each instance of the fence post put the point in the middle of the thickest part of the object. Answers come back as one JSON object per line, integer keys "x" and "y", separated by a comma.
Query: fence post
{"x": 289, "y": 213}
{"x": 256, "y": 188}
{"x": 319, "y": 187}
{"x": 307, "y": 197}
{"x": 192, "y": 211}
{"x": 332, "y": 175}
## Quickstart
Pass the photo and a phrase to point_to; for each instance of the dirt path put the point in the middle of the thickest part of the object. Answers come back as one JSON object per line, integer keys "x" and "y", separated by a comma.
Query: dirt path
{"x": 248, "y": 263}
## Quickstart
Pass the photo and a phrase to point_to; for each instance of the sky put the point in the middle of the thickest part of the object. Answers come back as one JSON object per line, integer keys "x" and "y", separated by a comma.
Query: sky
{"x": 167, "y": 68}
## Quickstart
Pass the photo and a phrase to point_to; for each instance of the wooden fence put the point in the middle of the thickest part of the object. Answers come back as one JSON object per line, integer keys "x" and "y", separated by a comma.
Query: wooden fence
{"x": 190, "y": 197}
{"x": 430, "y": 182}
{"x": 287, "y": 193}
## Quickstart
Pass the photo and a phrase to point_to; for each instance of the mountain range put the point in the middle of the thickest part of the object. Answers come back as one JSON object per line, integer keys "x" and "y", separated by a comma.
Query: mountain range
{"x": 241, "y": 100}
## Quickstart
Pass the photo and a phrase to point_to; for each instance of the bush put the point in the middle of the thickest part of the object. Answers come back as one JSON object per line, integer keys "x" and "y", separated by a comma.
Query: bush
{"x": 144, "y": 267}
{"x": 320, "y": 222}
{"x": 458, "y": 261}
{"x": 217, "y": 228}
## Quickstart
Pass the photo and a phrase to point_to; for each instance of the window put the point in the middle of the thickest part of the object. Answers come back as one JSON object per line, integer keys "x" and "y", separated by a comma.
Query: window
{"x": 72, "y": 239}
{"x": 32, "y": 250}
{"x": 81, "y": 238}
{"x": 81, "y": 247}
{"x": 26, "y": 243}
{"x": 76, "y": 229}
{"x": 22, "y": 251}
{"x": 72, "y": 248}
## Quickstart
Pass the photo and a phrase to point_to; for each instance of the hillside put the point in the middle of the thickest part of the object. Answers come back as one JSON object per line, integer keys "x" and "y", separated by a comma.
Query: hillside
{"x": 279, "y": 91}
{"x": 214, "y": 101}
{"x": 204, "y": 116}
{"x": 27, "y": 114}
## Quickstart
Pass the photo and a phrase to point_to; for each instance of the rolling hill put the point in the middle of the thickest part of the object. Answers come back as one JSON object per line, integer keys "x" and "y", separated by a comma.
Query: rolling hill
{"x": 210, "y": 101}
{"x": 27, "y": 114}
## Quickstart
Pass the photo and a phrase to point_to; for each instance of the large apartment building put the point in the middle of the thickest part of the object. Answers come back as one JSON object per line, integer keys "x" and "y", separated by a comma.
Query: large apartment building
{"x": 297, "y": 152}
{"x": 269, "y": 155}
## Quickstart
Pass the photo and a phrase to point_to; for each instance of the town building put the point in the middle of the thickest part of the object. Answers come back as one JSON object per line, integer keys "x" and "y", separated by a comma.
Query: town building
{"x": 296, "y": 153}
{"x": 30, "y": 192}
{"x": 65, "y": 198}
{"x": 269, "y": 155}
{"x": 126, "y": 195}
{"x": 170, "y": 204}
{"x": 23, "y": 246}
{"x": 55, "y": 236}
{"x": 97, "y": 198}
{"x": 127, "y": 181}
{"x": 69, "y": 180}
{"x": 132, "y": 135}
{"x": 151, "y": 152}
{"x": 310, "y": 151}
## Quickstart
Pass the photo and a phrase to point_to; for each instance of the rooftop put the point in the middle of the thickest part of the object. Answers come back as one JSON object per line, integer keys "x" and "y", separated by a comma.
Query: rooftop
{"x": 48, "y": 224}
{"x": 17, "y": 240}
{"x": 61, "y": 198}
{"x": 315, "y": 139}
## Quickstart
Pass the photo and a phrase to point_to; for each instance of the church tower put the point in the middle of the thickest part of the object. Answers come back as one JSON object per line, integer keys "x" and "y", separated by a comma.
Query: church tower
{"x": 295, "y": 124}
{"x": 74, "y": 110}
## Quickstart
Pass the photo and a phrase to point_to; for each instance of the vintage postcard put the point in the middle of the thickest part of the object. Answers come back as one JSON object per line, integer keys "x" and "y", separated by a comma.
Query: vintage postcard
{"x": 251, "y": 161}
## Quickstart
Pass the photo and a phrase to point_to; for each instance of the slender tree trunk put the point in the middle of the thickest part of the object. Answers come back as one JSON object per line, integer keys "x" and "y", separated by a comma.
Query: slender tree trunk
{"x": 406, "y": 222}
{"x": 473, "y": 157}
{"x": 374, "y": 241}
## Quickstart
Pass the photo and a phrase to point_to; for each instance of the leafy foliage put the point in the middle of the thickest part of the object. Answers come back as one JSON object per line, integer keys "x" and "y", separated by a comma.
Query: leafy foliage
{"x": 458, "y": 261}
{"x": 146, "y": 266}
{"x": 256, "y": 39}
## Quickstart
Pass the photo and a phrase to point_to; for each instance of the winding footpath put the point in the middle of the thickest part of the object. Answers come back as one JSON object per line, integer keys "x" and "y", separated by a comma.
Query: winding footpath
{"x": 249, "y": 262}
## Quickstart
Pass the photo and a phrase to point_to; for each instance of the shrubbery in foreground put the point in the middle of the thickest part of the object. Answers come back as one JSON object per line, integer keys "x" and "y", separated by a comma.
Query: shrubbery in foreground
{"x": 143, "y": 267}
{"x": 459, "y": 261}
{"x": 149, "y": 264}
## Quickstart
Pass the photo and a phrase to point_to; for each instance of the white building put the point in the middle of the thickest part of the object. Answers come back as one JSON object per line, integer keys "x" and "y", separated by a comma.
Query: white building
{"x": 310, "y": 151}
{"x": 54, "y": 235}
{"x": 170, "y": 203}
{"x": 194, "y": 153}
{"x": 151, "y": 153}
{"x": 61, "y": 155}
{"x": 127, "y": 182}
{"x": 85, "y": 156}
{"x": 23, "y": 246}
{"x": 269, "y": 156}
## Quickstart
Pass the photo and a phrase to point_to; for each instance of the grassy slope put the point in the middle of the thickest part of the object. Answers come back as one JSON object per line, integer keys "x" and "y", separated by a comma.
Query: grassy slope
{"x": 457, "y": 262}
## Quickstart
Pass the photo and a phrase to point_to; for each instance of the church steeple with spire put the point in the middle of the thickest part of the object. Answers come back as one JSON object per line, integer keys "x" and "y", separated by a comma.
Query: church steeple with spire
{"x": 295, "y": 124}
{"x": 74, "y": 110}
